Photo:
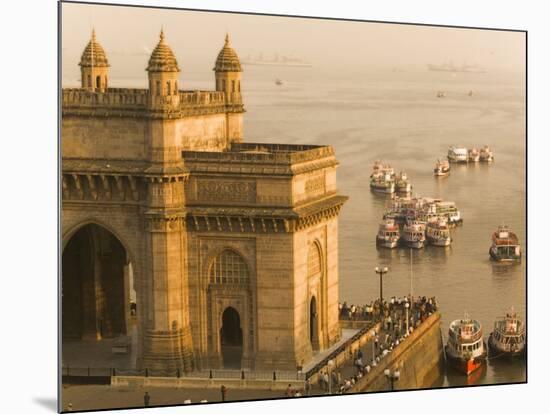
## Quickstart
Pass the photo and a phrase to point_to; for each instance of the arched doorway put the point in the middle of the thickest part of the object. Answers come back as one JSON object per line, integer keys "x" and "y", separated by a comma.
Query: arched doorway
{"x": 231, "y": 337}
{"x": 95, "y": 298}
{"x": 313, "y": 328}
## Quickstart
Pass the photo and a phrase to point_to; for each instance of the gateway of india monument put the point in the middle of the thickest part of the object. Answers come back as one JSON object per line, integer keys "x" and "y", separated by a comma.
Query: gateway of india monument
{"x": 208, "y": 251}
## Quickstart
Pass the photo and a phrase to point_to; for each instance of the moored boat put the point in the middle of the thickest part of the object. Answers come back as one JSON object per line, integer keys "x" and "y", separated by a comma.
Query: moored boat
{"x": 402, "y": 183}
{"x": 438, "y": 233}
{"x": 486, "y": 155}
{"x": 508, "y": 336}
{"x": 473, "y": 155}
{"x": 382, "y": 184}
{"x": 457, "y": 154}
{"x": 465, "y": 348}
{"x": 414, "y": 234}
{"x": 388, "y": 234}
{"x": 442, "y": 168}
{"x": 448, "y": 210}
{"x": 505, "y": 247}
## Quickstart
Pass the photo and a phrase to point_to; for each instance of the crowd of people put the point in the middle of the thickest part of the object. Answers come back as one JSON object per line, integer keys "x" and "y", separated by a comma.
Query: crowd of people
{"x": 392, "y": 315}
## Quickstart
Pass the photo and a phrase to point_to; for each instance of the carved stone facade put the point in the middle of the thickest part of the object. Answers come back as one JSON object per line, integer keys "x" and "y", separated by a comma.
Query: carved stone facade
{"x": 233, "y": 246}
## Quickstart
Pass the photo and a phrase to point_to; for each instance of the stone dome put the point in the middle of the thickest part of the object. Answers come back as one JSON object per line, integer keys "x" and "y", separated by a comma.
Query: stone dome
{"x": 93, "y": 54}
{"x": 162, "y": 59}
{"x": 227, "y": 60}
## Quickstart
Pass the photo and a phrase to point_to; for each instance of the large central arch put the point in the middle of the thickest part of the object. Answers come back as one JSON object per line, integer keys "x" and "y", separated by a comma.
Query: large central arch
{"x": 96, "y": 293}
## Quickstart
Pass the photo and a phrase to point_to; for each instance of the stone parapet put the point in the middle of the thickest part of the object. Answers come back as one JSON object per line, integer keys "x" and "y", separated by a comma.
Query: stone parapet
{"x": 137, "y": 103}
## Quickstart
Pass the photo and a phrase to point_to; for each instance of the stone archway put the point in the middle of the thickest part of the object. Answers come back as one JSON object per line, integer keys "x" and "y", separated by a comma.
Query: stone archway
{"x": 231, "y": 338}
{"x": 313, "y": 324}
{"x": 96, "y": 293}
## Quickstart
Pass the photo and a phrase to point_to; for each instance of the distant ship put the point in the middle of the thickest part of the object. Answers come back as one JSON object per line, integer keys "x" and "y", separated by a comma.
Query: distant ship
{"x": 276, "y": 61}
{"x": 450, "y": 67}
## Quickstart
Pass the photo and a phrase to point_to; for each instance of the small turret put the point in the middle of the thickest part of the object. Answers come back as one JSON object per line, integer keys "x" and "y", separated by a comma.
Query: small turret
{"x": 228, "y": 72}
{"x": 94, "y": 67}
{"x": 163, "y": 76}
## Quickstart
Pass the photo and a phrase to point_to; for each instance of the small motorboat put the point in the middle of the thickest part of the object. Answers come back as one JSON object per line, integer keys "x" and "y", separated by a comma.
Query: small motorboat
{"x": 486, "y": 155}
{"x": 473, "y": 155}
{"x": 438, "y": 233}
{"x": 442, "y": 168}
{"x": 402, "y": 183}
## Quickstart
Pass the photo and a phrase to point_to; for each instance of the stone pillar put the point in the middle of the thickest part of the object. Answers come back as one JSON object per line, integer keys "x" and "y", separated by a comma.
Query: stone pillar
{"x": 168, "y": 341}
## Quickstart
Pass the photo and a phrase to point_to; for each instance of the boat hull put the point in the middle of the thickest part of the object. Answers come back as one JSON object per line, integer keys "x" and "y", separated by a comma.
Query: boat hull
{"x": 466, "y": 366}
{"x": 458, "y": 160}
{"x": 385, "y": 190}
{"x": 496, "y": 351}
{"x": 417, "y": 244}
{"x": 439, "y": 242}
{"x": 500, "y": 258}
{"x": 388, "y": 244}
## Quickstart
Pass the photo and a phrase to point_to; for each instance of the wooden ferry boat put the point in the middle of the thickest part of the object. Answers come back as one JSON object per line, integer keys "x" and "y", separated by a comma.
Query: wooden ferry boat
{"x": 473, "y": 155}
{"x": 442, "y": 168}
{"x": 402, "y": 183}
{"x": 465, "y": 348}
{"x": 508, "y": 337}
{"x": 457, "y": 154}
{"x": 414, "y": 235}
{"x": 505, "y": 247}
{"x": 388, "y": 234}
{"x": 448, "y": 210}
{"x": 485, "y": 154}
{"x": 382, "y": 184}
{"x": 438, "y": 233}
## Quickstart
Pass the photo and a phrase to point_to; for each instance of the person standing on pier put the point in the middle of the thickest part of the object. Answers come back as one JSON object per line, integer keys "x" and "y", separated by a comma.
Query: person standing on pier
{"x": 223, "y": 390}
{"x": 146, "y": 399}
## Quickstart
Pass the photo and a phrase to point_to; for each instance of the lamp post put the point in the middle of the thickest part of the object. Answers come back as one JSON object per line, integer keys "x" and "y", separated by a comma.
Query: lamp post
{"x": 392, "y": 377}
{"x": 373, "y": 355}
{"x": 330, "y": 365}
{"x": 407, "y": 317}
{"x": 381, "y": 271}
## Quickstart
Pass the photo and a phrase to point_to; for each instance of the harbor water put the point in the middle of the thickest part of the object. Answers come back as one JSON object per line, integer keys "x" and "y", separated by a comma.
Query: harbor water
{"x": 397, "y": 118}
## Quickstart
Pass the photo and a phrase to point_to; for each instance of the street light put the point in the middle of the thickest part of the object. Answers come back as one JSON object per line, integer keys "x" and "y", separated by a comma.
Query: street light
{"x": 373, "y": 355}
{"x": 392, "y": 377}
{"x": 330, "y": 365}
{"x": 381, "y": 271}
{"x": 407, "y": 317}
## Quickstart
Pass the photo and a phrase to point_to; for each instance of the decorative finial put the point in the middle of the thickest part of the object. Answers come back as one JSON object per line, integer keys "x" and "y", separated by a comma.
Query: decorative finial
{"x": 227, "y": 39}
{"x": 93, "y": 33}
{"x": 161, "y": 33}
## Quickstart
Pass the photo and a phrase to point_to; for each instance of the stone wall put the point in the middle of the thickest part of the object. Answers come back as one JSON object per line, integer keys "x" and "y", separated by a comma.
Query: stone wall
{"x": 419, "y": 359}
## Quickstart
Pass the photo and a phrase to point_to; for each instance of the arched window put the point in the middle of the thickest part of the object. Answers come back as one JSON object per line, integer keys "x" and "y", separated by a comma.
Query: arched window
{"x": 168, "y": 89}
{"x": 314, "y": 260}
{"x": 98, "y": 82}
{"x": 105, "y": 82}
{"x": 158, "y": 88}
{"x": 239, "y": 85}
{"x": 175, "y": 87}
{"x": 228, "y": 268}
{"x": 223, "y": 84}
{"x": 89, "y": 81}
{"x": 232, "y": 86}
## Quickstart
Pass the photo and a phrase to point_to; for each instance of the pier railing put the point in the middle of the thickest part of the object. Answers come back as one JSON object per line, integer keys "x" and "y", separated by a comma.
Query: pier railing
{"x": 80, "y": 374}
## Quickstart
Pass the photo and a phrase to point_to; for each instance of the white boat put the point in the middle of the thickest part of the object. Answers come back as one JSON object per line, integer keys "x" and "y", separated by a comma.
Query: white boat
{"x": 380, "y": 169}
{"x": 457, "y": 154}
{"x": 438, "y": 233}
{"x": 388, "y": 234}
{"x": 414, "y": 235}
{"x": 473, "y": 155}
{"x": 508, "y": 336}
{"x": 383, "y": 183}
{"x": 442, "y": 168}
{"x": 465, "y": 348}
{"x": 486, "y": 155}
{"x": 448, "y": 210}
{"x": 402, "y": 183}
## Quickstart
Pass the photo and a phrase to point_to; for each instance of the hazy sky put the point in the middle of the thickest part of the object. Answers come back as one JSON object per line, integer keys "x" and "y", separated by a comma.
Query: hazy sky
{"x": 128, "y": 34}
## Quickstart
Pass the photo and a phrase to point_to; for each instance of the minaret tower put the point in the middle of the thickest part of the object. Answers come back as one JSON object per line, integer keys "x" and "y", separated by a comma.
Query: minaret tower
{"x": 228, "y": 72}
{"x": 168, "y": 342}
{"x": 163, "y": 77}
{"x": 94, "y": 67}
